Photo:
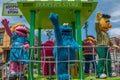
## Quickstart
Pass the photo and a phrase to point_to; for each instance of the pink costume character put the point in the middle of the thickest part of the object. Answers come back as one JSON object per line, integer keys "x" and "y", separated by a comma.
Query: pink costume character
{"x": 19, "y": 47}
{"x": 47, "y": 55}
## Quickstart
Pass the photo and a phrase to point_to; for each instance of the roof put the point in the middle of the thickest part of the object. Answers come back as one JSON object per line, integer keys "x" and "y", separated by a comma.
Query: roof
{"x": 65, "y": 9}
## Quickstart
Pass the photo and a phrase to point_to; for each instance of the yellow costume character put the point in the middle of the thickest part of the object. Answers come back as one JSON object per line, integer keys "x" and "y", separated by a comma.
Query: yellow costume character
{"x": 104, "y": 68}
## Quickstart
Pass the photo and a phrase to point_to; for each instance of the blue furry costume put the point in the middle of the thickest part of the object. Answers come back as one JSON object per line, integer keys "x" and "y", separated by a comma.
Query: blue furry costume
{"x": 63, "y": 35}
{"x": 18, "y": 53}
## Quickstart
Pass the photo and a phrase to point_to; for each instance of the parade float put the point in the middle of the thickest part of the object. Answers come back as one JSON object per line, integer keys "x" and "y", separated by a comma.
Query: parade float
{"x": 74, "y": 12}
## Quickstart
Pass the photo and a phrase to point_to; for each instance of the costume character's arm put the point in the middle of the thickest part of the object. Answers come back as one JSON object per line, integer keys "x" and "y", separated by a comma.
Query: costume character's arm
{"x": 26, "y": 44}
{"x": 54, "y": 20}
{"x": 5, "y": 23}
{"x": 75, "y": 45}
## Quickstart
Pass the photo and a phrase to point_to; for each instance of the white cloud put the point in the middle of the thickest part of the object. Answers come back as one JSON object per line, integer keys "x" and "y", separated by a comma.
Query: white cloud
{"x": 115, "y": 20}
{"x": 114, "y": 32}
{"x": 115, "y": 12}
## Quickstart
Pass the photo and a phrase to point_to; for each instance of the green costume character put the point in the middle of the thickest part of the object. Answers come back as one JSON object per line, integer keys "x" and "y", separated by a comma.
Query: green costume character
{"x": 104, "y": 67}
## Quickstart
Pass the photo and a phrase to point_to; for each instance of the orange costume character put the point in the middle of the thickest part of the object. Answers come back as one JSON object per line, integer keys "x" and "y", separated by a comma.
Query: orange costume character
{"x": 89, "y": 51}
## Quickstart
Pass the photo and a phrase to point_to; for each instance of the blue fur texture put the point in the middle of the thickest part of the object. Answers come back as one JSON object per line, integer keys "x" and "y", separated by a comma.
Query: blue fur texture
{"x": 63, "y": 38}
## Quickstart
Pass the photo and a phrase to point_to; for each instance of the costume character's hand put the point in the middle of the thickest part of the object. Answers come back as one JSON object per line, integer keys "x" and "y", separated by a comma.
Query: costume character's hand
{"x": 54, "y": 19}
{"x": 5, "y": 22}
{"x": 115, "y": 46}
{"x": 26, "y": 46}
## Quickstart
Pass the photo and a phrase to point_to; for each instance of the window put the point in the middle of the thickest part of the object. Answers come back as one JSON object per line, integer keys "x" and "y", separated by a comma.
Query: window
{"x": 1, "y": 37}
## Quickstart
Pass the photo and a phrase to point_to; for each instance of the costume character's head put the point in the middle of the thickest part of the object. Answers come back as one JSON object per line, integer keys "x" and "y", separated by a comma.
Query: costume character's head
{"x": 20, "y": 29}
{"x": 104, "y": 21}
{"x": 91, "y": 42}
{"x": 90, "y": 39}
{"x": 66, "y": 31}
{"x": 48, "y": 43}
{"x": 48, "y": 50}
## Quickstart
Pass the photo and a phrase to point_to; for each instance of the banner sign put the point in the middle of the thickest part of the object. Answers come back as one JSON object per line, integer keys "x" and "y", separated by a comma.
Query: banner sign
{"x": 11, "y": 9}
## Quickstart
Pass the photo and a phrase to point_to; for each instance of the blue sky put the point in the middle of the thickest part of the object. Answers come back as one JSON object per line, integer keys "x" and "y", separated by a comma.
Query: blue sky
{"x": 110, "y": 7}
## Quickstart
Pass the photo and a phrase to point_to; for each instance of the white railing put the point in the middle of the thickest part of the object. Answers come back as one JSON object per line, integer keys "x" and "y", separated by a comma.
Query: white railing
{"x": 114, "y": 55}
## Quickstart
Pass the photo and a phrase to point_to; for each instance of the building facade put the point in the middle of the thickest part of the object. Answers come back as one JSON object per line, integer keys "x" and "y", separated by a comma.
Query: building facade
{"x": 116, "y": 42}
{"x": 4, "y": 45}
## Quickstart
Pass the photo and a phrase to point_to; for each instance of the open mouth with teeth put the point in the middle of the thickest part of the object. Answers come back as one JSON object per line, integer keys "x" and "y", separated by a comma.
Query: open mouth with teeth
{"x": 22, "y": 31}
{"x": 66, "y": 32}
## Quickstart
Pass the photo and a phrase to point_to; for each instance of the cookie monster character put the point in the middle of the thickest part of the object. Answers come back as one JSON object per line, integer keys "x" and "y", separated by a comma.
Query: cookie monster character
{"x": 66, "y": 47}
{"x": 104, "y": 68}
{"x": 47, "y": 55}
{"x": 19, "y": 47}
